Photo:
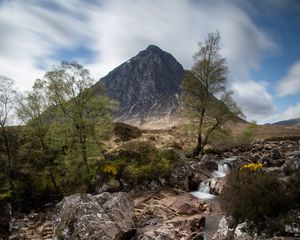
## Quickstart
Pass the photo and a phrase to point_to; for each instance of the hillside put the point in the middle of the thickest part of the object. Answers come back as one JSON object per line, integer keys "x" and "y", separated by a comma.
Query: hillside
{"x": 289, "y": 122}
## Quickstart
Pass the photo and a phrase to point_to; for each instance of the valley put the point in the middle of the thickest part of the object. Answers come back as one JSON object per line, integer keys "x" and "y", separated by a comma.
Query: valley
{"x": 146, "y": 152}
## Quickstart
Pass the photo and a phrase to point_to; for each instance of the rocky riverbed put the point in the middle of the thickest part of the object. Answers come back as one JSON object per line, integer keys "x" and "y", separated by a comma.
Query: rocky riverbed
{"x": 164, "y": 212}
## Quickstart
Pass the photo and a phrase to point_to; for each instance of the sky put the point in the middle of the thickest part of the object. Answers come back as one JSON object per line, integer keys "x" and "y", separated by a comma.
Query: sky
{"x": 259, "y": 38}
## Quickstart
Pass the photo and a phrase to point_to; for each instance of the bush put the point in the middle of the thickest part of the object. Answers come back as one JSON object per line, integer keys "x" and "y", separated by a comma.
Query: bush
{"x": 126, "y": 132}
{"x": 139, "y": 161}
{"x": 254, "y": 195}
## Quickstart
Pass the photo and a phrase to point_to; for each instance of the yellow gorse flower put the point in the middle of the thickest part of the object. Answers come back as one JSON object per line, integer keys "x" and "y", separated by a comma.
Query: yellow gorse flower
{"x": 253, "y": 166}
{"x": 108, "y": 168}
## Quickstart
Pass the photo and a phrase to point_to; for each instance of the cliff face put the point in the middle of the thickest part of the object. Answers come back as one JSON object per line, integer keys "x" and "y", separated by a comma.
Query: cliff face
{"x": 147, "y": 85}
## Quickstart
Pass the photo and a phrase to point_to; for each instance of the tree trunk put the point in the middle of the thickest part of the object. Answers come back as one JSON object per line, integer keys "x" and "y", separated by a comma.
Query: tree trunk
{"x": 199, "y": 146}
{"x": 84, "y": 153}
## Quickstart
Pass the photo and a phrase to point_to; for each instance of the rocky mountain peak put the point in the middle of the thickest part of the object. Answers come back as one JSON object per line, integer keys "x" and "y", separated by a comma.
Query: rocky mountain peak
{"x": 147, "y": 85}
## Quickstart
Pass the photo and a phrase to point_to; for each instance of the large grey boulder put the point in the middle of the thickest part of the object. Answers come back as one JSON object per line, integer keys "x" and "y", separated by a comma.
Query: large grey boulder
{"x": 86, "y": 217}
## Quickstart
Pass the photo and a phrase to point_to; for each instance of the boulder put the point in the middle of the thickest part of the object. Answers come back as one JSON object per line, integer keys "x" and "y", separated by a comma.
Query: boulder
{"x": 211, "y": 165}
{"x": 216, "y": 185}
{"x": 240, "y": 232}
{"x": 224, "y": 231}
{"x": 292, "y": 163}
{"x": 179, "y": 178}
{"x": 105, "y": 216}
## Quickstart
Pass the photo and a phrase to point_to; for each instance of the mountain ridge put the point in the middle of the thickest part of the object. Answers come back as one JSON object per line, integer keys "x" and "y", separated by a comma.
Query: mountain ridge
{"x": 288, "y": 122}
{"x": 147, "y": 85}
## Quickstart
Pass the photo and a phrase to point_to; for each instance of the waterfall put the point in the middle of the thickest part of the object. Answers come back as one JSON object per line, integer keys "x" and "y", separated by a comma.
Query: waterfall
{"x": 204, "y": 187}
{"x": 223, "y": 170}
{"x": 203, "y": 191}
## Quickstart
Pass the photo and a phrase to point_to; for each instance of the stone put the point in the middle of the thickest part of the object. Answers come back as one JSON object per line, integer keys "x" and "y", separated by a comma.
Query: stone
{"x": 223, "y": 231}
{"x": 179, "y": 178}
{"x": 211, "y": 165}
{"x": 266, "y": 161}
{"x": 276, "y": 154}
{"x": 240, "y": 232}
{"x": 216, "y": 185}
{"x": 292, "y": 163}
{"x": 111, "y": 185}
{"x": 169, "y": 215}
{"x": 84, "y": 216}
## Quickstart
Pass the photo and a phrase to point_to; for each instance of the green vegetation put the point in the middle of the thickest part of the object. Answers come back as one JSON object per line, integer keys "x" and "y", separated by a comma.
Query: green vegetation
{"x": 204, "y": 81}
{"x": 257, "y": 196}
{"x": 140, "y": 161}
{"x": 57, "y": 150}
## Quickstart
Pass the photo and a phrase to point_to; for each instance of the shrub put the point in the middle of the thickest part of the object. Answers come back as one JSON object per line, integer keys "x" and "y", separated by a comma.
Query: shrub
{"x": 126, "y": 132}
{"x": 139, "y": 161}
{"x": 253, "y": 166}
{"x": 254, "y": 195}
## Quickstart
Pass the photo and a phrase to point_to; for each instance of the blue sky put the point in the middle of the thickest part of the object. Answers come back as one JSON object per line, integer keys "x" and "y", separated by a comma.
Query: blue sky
{"x": 260, "y": 40}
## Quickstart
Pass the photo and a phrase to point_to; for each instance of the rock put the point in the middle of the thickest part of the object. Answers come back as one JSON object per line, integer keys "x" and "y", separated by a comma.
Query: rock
{"x": 240, "y": 232}
{"x": 187, "y": 204}
{"x": 179, "y": 178}
{"x": 276, "y": 154}
{"x": 224, "y": 231}
{"x": 292, "y": 163}
{"x": 176, "y": 228}
{"x": 87, "y": 217}
{"x": 216, "y": 185}
{"x": 169, "y": 215}
{"x": 110, "y": 185}
{"x": 266, "y": 161}
{"x": 210, "y": 165}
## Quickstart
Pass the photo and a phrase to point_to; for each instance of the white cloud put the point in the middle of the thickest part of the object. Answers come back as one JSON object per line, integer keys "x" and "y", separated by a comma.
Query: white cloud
{"x": 255, "y": 101}
{"x": 290, "y": 84}
{"x": 291, "y": 112}
{"x": 117, "y": 30}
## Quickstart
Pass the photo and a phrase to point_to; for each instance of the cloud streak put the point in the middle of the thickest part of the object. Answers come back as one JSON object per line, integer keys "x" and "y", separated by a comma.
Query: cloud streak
{"x": 114, "y": 31}
{"x": 290, "y": 84}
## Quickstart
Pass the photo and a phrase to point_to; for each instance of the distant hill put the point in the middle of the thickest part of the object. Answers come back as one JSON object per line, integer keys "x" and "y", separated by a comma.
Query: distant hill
{"x": 147, "y": 85}
{"x": 290, "y": 122}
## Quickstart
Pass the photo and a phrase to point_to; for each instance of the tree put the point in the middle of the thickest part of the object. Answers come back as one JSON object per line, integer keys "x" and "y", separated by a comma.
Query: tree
{"x": 79, "y": 110}
{"x": 7, "y": 133}
{"x": 203, "y": 82}
{"x": 33, "y": 109}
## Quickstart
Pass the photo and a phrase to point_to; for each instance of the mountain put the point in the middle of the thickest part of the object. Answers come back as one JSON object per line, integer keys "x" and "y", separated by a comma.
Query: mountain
{"x": 147, "y": 85}
{"x": 290, "y": 122}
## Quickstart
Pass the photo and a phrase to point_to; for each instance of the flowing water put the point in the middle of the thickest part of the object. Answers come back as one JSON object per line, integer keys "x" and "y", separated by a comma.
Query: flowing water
{"x": 203, "y": 192}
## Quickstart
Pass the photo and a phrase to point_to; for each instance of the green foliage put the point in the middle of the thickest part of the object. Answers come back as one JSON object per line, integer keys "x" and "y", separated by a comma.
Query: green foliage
{"x": 207, "y": 78}
{"x": 140, "y": 161}
{"x": 249, "y": 132}
{"x": 253, "y": 195}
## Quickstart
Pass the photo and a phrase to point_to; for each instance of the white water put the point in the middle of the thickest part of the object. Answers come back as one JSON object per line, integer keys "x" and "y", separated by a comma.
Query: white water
{"x": 223, "y": 170}
{"x": 203, "y": 192}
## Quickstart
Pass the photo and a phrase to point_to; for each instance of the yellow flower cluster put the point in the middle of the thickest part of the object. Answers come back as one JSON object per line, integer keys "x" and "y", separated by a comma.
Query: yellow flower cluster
{"x": 108, "y": 168}
{"x": 253, "y": 166}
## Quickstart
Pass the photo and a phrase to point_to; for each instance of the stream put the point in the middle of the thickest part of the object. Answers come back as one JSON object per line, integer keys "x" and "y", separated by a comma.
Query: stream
{"x": 204, "y": 193}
